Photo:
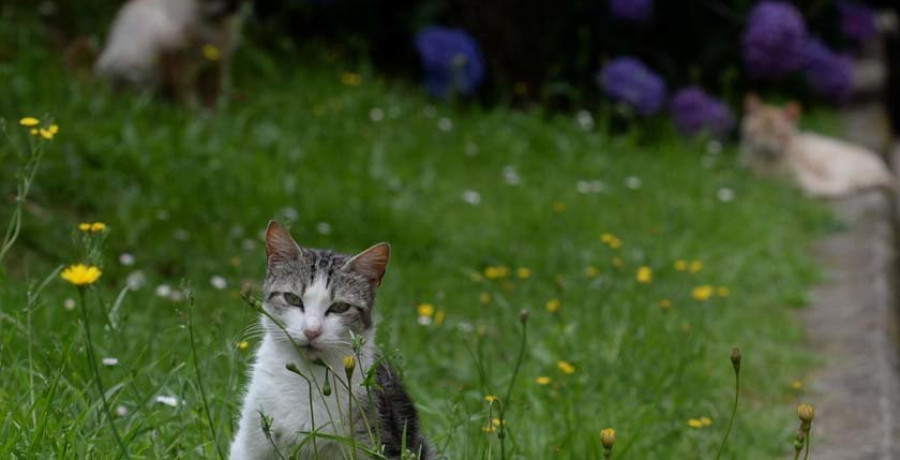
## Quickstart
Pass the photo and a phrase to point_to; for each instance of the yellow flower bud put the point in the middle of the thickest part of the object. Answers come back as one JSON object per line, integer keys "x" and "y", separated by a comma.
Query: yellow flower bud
{"x": 806, "y": 413}
{"x": 608, "y": 438}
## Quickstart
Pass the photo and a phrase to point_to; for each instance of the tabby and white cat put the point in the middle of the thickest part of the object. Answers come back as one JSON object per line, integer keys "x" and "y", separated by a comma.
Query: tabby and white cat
{"x": 176, "y": 47}
{"x": 822, "y": 166}
{"x": 317, "y": 302}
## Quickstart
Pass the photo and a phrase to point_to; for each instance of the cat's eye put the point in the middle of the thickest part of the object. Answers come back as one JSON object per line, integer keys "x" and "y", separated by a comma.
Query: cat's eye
{"x": 338, "y": 308}
{"x": 293, "y": 299}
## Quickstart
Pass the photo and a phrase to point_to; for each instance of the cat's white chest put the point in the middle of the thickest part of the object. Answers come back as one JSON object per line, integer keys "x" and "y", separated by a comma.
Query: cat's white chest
{"x": 293, "y": 408}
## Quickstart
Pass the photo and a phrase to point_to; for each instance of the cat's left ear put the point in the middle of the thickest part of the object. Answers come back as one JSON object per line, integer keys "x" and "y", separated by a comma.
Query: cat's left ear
{"x": 371, "y": 263}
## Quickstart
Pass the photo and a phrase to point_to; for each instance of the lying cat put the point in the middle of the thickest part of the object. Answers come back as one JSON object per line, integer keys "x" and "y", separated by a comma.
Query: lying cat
{"x": 175, "y": 47}
{"x": 822, "y": 166}
{"x": 317, "y": 303}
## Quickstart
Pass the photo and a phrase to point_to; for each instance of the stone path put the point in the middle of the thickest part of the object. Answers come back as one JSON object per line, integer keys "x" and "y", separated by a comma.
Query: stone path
{"x": 853, "y": 321}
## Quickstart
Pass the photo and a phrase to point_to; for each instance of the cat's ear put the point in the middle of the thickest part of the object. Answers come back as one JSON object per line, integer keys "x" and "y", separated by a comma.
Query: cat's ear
{"x": 793, "y": 110}
{"x": 371, "y": 263}
{"x": 280, "y": 246}
{"x": 751, "y": 102}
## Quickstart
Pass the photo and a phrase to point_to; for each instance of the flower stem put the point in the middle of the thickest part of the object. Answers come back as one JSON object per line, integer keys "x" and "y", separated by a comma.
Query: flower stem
{"x": 512, "y": 384}
{"x": 737, "y": 394}
{"x": 209, "y": 420}
{"x": 92, "y": 362}
{"x": 808, "y": 441}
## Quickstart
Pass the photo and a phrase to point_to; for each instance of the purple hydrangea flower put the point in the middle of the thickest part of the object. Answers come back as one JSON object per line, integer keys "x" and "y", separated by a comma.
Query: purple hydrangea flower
{"x": 628, "y": 80}
{"x": 631, "y": 10}
{"x": 773, "y": 40}
{"x": 452, "y": 61}
{"x": 829, "y": 74}
{"x": 858, "y": 21}
{"x": 696, "y": 112}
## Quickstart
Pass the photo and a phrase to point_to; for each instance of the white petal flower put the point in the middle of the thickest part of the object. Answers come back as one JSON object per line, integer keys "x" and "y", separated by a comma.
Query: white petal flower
{"x": 445, "y": 124}
{"x": 585, "y": 120}
{"x": 121, "y": 411}
{"x": 633, "y": 182}
{"x": 109, "y": 361}
{"x": 725, "y": 194}
{"x": 163, "y": 290}
{"x": 135, "y": 280}
{"x": 218, "y": 282}
{"x": 69, "y": 304}
{"x": 167, "y": 400}
{"x": 472, "y": 197}
{"x": 376, "y": 114}
{"x": 324, "y": 228}
{"x": 126, "y": 259}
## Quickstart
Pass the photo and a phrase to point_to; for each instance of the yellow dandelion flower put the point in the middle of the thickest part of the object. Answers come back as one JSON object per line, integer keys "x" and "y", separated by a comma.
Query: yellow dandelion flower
{"x": 615, "y": 243}
{"x": 29, "y": 121}
{"x": 439, "y": 317}
{"x": 797, "y": 385}
{"x": 211, "y": 52}
{"x": 706, "y": 421}
{"x": 491, "y": 272}
{"x": 559, "y": 206}
{"x": 46, "y": 133}
{"x": 81, "y": 275}
{"x": 565, "y": 367}
{"x": 523, "y": 273}
{"x": 349, "y": 363}
{"x": 665, "y": 304}
{"x": 723, "y": 291}
{"x": 681, "y": 265}
{"x": 488, "y": 429}
{"x": 644, "y": 275}
{"x": 543, "y": 380}
{"x": 496, "y": 421}
{"x": 54, "y": 129}
{"x": 98, "y": 227}
{"x": 591, "y": 271}
{"x": 34, "y": 131}
{"x": 476, "y": 277}
{"x": 607, "y": 237}
{"x": 351, "y": 79}
{"x": 702, "y": 293}
{"x": 84, "y": 227}
{"x": 553, "y": 305}
{"x": 484, "y": 298}
{"x": 617, "y": 262}
{"x": 243, "y": 345}
{"x": 490, "y": 399}
{"x": 695, "y": 423}
{"x": 425, "y": 309}
{"x": 696, "y": 266}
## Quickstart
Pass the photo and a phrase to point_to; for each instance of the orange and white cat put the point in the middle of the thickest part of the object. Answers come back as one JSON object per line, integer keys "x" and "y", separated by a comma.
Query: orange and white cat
{"x": 822, "y": 166}
{"x": 175, "y": 47}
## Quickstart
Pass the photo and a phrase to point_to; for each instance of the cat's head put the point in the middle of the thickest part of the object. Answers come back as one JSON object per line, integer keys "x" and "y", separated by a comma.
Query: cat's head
{"x": 768, "y": 129}
{"x": 320, "y": 296}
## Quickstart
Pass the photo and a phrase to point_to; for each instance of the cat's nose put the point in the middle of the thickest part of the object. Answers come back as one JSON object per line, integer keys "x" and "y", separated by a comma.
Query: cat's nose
{"x": 311, "y": 334}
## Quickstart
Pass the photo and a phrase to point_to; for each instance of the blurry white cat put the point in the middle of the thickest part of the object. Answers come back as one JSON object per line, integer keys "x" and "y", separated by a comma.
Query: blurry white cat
{"x": 822, "y": 166}
{"x": 176, "y": 47}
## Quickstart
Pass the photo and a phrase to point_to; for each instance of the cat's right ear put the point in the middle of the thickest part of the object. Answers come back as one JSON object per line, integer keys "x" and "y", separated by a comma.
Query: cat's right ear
{"x": 280, "y": 247}
{"x": 751, "y": 102}
{"x": 793, "y": 110}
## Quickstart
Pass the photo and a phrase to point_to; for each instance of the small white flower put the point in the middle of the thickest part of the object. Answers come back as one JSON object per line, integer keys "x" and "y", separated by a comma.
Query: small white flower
{"x": 376, "y": 114}
{"x": 218, "y": 282}
{"x": 510, "y": 176}
{"x": 167, "y": 400}
{"x": 135, "y": 280}
{"x": 126, "y": 259}
{"x": 585, "y": 120}
{"x": 181, "y": 234}
{"x": 176, "y": 296}
{"x": 713, "y": 147}
{"x": 69, "y": 304}
{"x": 583, "y": 187}
{"x": 472, "y": 197}
{"x": 633, "y": 182}
{"x": 248, "y": 245}
{"x": 290, "y": 214}
{"x": 163, "y": 290}
{"x": 324, "y": 228}
{"x": 465, "y": 327}
{"x": 424, "y": 320}
{"x": 110, "y": 362}
{"x": 121, "y": 411}
{"x": 445, "y": 124}
{"x": 725, "y": 194}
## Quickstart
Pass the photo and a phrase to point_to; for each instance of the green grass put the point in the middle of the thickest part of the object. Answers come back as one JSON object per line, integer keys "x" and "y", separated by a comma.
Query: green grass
{"x": 188, "y": 193}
